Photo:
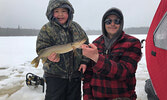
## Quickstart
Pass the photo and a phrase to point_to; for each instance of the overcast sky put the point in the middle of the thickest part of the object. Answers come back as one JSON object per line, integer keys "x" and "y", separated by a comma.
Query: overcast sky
{"x": 88, "y": 13}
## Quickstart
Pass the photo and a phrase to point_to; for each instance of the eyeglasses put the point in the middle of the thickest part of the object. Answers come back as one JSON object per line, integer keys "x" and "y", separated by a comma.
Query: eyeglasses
{"x": 109, "y": 21}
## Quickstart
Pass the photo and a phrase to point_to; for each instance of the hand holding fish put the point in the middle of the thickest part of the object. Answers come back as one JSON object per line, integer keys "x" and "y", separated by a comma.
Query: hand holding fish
{"x": 53, "y": 57}
{"x": 90, "y": 51}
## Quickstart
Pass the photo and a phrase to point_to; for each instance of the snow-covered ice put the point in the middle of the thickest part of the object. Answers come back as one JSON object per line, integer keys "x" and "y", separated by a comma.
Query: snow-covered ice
{"x": 16, "y": 53}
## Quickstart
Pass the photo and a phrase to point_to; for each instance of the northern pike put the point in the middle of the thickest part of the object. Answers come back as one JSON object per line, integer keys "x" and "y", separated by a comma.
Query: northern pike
{"x": 58, "y": 49}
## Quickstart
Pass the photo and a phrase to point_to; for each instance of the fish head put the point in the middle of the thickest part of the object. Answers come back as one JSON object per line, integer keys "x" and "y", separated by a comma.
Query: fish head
{"x": 78, "y": 44}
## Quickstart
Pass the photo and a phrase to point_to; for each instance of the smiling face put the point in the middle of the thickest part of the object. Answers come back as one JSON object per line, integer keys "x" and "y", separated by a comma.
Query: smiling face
{"x": 61, "y": 14}
{"x": 112, "y": 26}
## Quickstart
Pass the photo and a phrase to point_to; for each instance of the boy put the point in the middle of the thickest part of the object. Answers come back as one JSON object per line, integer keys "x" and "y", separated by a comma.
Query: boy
{"x": 62, "y": 74}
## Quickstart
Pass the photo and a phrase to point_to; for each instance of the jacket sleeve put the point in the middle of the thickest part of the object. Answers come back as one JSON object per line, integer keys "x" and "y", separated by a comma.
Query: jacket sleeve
{"x": 87, "y": 90}
{"x": 43, "y": 39}
{"x": 124, "y": 68}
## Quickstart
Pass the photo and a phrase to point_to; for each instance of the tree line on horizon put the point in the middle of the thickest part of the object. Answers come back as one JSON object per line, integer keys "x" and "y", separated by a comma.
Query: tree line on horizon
{"x": 34, "y": 32}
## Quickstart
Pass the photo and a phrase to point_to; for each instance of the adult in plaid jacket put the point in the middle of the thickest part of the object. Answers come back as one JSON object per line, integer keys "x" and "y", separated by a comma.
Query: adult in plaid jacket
{"x": 114, "y": 55}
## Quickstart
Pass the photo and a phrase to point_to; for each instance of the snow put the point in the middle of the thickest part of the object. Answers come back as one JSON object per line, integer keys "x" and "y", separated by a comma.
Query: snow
{"x": 16, "y": 53}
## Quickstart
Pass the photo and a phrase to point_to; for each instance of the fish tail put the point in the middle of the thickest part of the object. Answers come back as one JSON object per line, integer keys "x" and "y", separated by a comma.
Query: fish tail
{"x": 36, "y": 62}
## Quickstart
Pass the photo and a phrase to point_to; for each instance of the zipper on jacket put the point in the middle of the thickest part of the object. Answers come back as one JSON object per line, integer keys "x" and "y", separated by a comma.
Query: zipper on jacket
{"x": 106, "y": 52}
{"x": 71, "y": 39}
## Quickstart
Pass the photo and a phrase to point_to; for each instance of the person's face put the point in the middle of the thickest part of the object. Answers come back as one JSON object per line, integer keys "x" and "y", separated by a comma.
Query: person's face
{"x": 61, "y": 14}
{"x": 112, "y": 25}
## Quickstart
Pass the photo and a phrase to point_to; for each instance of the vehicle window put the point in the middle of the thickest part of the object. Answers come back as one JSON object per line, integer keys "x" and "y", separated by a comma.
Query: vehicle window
{"x": 160, "y": 34}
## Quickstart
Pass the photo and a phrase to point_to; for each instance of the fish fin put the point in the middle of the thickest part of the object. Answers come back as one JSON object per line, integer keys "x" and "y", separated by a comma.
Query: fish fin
{"x": 47, "y": 66}
{"x": 44, "y": 60}
{"x": 35, "y": 61}
{"x": 57, "y": 56}
{"x": 75, "y": 53}
{"x": 74, "y": 48}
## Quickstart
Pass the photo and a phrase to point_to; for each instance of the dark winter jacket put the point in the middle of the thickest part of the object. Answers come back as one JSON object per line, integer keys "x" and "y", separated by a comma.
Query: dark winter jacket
{"x": 113, "y": 76}
{"x": 53, "y": 33}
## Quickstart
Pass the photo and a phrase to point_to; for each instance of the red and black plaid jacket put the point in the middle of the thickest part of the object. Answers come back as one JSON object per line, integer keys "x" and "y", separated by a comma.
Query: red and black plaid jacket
{"x": 113, "y": 75}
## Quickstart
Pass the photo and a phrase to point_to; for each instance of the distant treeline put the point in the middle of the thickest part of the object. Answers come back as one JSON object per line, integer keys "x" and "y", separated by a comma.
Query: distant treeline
{"x": 18, "y": 32}
{"x": 132, "y": 30}
{"x": 34, "y": 32}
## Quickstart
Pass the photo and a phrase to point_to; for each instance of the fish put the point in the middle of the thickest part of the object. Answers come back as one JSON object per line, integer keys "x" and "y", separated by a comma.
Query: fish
{"x": 58, "y": 49}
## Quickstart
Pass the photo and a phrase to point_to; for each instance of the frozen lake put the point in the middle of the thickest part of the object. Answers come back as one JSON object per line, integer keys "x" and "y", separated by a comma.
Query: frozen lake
{"x": 16, "y": 53}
